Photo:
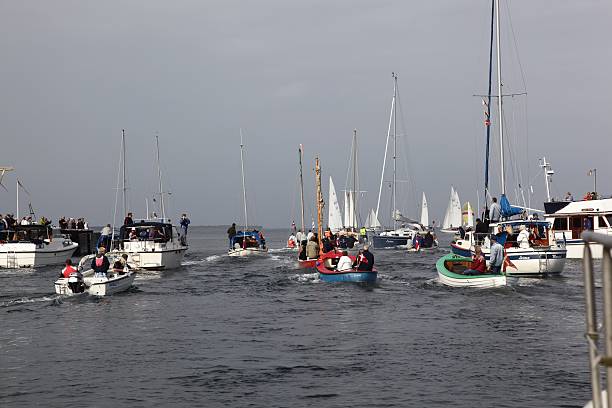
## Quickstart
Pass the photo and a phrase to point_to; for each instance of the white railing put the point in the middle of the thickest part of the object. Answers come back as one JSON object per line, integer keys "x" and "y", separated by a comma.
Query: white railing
{"x": 597, "y": 357}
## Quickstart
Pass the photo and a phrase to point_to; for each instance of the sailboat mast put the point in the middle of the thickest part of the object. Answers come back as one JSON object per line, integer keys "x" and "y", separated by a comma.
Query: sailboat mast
{"x": 500, "y": 105}
{"x": 159, "y": 173}
{"x": 382, "y": 174}
{"x": 354, "y": 198}
{"x": 17, "y": 200}
{"x": 394, "y": 147}
{"x": 124, "y": 188}
{"x": 246, "y": 216}
{"x": 320, "y": 202}
{"x": 301, "y": 153}
{"x": 488, "y": 119}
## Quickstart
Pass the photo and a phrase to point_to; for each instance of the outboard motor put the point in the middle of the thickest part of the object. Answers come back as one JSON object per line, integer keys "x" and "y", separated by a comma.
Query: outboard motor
{"x": 76, "y": 282}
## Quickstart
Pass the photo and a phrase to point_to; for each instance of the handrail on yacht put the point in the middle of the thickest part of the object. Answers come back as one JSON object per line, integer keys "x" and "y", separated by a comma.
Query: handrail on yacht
{"x": 598, "y": 358}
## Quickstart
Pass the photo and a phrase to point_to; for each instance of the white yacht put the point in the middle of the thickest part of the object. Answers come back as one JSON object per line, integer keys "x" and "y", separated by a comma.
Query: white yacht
{"x": 572, "y": 218}
{"x": 150, "y": 245}
{"x": 32, "y": 246}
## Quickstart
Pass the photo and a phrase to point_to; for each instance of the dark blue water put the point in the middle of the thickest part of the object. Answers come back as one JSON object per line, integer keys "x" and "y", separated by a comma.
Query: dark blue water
{"x": 261, "y": 333}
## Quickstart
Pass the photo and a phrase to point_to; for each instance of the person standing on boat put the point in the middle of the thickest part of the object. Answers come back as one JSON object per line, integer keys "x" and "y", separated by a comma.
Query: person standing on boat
{"x": 128, "y": 219}
{"x": 344, "y": 263}
{"x": 481, "y": 230}
{"x": 105, "y": 237}
{"x": 495, "y": 211}
{"x": 312, "y": 249}
{"x": 184, "y": 225}
{"x": 569, "y": 197}
{"x": 100, "y": 263}
{"x": 496, "y": 258}
{"x": 293, "y": 228}
{"x": 365, "y": 260}
{"x": 68, "y": 269}
{"x": 523, "y": 237}
{"x": 310, "y": 235}
{"x": 231, "y": 232}
{"x": 299, "y": 236}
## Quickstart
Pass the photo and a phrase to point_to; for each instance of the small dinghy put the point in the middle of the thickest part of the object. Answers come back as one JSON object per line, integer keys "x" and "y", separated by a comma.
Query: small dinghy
{"x": 116, "y": 280}
{"x": 450, "y": 272}
{"x": 326, "y": 266}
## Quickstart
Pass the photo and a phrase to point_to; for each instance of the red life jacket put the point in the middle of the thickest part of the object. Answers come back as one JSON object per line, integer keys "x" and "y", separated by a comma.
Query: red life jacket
{"x": 68, "y": 270}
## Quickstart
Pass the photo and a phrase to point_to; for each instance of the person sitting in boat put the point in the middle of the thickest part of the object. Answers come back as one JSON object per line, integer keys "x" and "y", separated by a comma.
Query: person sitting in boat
{"x": 133, "y": 236}
{"x": 291, "y": 241}
{"x": 327, "y": 245}
{"x": 428, "y": 240}
{"x": 68, "y": 269}
{"x": 262, "y": 239}
{"x": 350, "y": 241}
{"x": 120, "y": 266}
{"x": 478, "y": 265}
{"x": 365, "y": 260}
{"x": 100, "y": 263}
{"x": 523, "y": 237}
{"x": 496, "y": 258}
{"x": 344, "y": 263}
{"x": 312, "y": 249}
{"x": 302, "y": 255}
{"x": 342, "y": 240}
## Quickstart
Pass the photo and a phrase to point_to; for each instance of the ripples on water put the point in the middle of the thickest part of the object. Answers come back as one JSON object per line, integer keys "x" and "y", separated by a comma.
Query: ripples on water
{"x": 262, "y": 333}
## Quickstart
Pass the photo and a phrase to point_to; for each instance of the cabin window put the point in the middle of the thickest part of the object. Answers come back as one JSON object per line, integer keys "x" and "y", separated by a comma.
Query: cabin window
{"x": 602, "y": 222}
{"x": 609, "y": 218}
{"x": 560, "y": 224}
{"x": 576, "y": 222}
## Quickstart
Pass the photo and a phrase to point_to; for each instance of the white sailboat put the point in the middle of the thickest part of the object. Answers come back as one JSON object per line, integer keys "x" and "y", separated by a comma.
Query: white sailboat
{"x": 395, "y": 236}
{"x": 334, "y": 215}
{"x": 246, "y": 243}
{"x": 424, "y": 212}
{"x": 149, "y": 243}
{"x": 540, "y": 256}
{"x": 467, "y": 215}
{"x": 372, "y": 223}
{"x": 452, "y": 217}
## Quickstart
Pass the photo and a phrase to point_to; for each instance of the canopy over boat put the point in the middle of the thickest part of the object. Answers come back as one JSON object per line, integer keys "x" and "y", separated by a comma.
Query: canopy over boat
{"x": 240, "y": 235}
{"x": 508, "y": 210}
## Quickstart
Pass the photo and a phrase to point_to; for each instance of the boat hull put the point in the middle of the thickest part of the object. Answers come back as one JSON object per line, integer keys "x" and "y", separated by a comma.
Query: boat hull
{"x": 389, "y": 242}
{"x": 28, "y": 255}
{"x": 350, "y": 276}
{"x": 449, "y": 278}
{"x": 308, "y": 263}
{"x": 247, "y": 252}
{"x": 98, "y": 286}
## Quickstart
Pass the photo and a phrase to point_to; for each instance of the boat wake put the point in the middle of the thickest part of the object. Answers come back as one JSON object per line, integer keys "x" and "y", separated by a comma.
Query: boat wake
{"x": 212, "y": 258}
{"x": 305, "y": 277}
{"x": 26, "y": 300}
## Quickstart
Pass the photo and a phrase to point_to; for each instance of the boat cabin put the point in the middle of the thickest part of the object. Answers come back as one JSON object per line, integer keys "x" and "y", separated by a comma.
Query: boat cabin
{"x": 576, "y": 217}
{"x": 246, "y": 239}
{"x": 147, "y": 231}
{"x": 27, "y": 233}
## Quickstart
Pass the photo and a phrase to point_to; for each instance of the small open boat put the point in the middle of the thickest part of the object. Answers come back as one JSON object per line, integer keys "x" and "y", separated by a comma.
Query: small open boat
{"x": 326, "y": 266}
{"x": 97, "y": 286}
{"x": 451, "y": 266}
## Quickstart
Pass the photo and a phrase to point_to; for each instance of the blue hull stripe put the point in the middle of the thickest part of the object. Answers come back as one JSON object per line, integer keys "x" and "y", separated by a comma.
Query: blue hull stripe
{"x": 349, "y": 277}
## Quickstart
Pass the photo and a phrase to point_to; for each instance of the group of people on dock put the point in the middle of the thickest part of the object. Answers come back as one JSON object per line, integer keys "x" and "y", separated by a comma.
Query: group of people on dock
{"x": 73, "y": 223}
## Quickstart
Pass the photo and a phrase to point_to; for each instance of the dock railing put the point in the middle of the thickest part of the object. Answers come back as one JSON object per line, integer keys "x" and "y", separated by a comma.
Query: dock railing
{"x": 597, "y": 357}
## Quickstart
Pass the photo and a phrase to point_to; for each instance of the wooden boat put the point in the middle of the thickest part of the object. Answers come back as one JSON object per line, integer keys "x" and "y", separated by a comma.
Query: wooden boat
{"x": 326, "y": 265}
{"x": 451, "y": 266}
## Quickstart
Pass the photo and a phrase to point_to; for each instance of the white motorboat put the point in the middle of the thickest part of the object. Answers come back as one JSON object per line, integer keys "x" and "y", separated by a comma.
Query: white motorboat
{"x": 32, "y": 246}
{"x": 150, "y": 245}
{"x": 114, "y": 281}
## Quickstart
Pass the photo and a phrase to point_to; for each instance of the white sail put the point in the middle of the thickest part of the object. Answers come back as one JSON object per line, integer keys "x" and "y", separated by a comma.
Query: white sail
{"x": 350, "y": 219}
{"x": 375, "y": 223}
{"x": 424, "y": 212}
{"x": 468, "y": 215}
{"x": 456, "y": 211}
{"x": 334, "y": 218}
{"x": 446, "y": 224}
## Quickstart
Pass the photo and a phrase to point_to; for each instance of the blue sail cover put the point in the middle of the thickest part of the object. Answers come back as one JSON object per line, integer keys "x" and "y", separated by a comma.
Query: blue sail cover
{"x": 508, "y": 210}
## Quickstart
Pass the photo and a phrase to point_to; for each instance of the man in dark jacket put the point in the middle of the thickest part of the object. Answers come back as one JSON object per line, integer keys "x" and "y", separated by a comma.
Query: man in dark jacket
{"x": 231, "y": 231}
{"x": 365, "y": 259}
{"x": 481, "y": 230}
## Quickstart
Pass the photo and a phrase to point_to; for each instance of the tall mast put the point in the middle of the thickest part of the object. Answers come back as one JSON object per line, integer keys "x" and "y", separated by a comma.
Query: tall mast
{"x": 320, "y": 202}
{"x": 354, "y": 203}
{"x": 125, "y": 207}
{"x": 548, "y": 172}
{"x": 246, "y": 216}
{"x": 488, "y": 113}
{"x": 301, "y": 153}
{"x": 17, "y": 200}
{"x": 382, "y": 174}
{"x": 394, "y": 147}
{"x": 161, "y": 189}
{"x": 500, "y": 106}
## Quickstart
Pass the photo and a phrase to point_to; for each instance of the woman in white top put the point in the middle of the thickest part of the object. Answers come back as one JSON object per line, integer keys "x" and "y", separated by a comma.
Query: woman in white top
{"x": 344, "y": 263}
{"x": 523, "y": 237}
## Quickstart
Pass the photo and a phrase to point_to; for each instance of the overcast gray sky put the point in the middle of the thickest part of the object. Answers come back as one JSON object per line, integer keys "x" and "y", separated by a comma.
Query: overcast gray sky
{"x": 74, "y": 73}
